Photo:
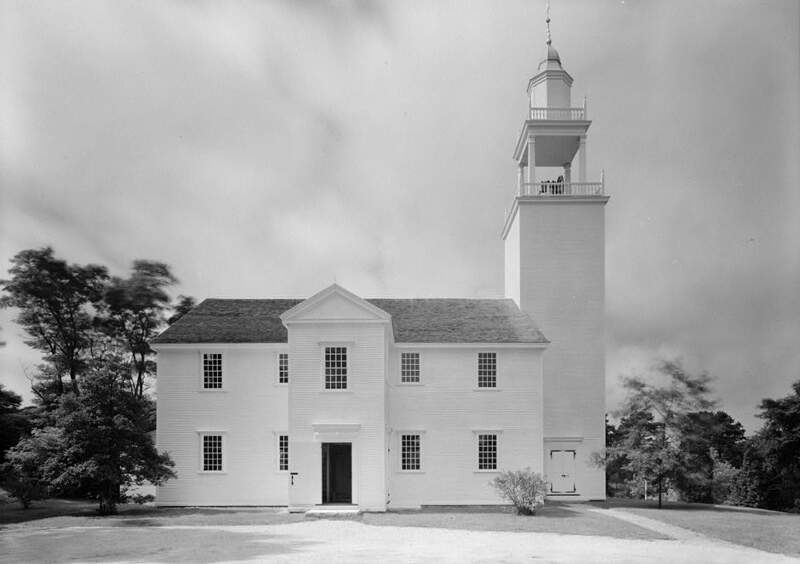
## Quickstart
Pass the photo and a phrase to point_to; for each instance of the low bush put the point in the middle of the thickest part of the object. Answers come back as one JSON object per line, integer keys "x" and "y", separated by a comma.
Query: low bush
{"x": 524, "y": 488}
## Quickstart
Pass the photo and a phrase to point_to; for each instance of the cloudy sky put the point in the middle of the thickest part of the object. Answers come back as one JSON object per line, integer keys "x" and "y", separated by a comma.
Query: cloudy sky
{"x": 266, "y": 149}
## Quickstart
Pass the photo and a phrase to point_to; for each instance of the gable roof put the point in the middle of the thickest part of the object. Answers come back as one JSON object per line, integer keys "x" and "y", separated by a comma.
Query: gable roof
{"x": 331, "y": 293}
{"x": 438, "y": 320}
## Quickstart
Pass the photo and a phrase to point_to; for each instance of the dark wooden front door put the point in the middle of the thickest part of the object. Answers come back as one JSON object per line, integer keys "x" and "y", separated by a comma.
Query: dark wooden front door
{"x": 337, "y": 473}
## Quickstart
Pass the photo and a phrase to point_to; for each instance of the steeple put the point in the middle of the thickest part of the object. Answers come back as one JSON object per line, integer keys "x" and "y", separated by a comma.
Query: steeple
{"x": 554, "y": 238}
{"x": 554, "y": 133}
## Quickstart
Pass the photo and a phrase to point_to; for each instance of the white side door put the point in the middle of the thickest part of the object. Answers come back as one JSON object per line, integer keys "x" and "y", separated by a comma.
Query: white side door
{"x": 562, "y": 471}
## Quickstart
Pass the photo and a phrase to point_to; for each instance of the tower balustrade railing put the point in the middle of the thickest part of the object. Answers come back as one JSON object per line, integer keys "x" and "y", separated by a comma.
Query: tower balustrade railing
{"x": 558, "y": 113}
{"x": 553, "y": 188}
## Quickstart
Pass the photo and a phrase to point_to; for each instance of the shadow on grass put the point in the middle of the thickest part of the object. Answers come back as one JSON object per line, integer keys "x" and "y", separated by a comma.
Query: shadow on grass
{"x": 623, "y": 503}
{"x": 551, "y": 509}
{"x": 205, "y": 545}
{"x": 132, "y": 515}
{"x": 13, "y": 512}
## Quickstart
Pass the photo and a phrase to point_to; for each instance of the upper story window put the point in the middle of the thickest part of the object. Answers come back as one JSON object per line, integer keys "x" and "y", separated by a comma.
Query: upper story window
{"x": 487, "y": 451}
{"x": 212, "y": 453}
{"x": 336, "y": 368}
{"x": 283, "y": 368}
{"x": 410, "y": 452}
{"x": 212, "y": 371}
{"x": 487, "y": 370}
{"x": 409, "y": 367}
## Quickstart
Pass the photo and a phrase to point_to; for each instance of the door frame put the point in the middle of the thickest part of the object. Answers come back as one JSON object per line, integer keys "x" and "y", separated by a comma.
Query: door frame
{"x": 338, "y": 433}
{"x": 328, "y": 471}
{"x": 572, "y": 475}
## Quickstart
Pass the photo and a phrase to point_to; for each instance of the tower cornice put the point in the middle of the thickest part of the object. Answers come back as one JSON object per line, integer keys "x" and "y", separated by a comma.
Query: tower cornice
{"x": 554, "y": 127}
{"x": 548, "y": 200}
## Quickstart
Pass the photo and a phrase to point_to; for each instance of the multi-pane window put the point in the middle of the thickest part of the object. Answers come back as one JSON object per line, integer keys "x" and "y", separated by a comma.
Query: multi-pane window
{"x": 283, "y": 368}
{"x": 487, "y": 370}
{"x": 212, "y": 453}
{"x": 212, "y": 371}
{"x": 283, "y": 453}
{"x": 409, "y": 367}
{"x": 335, "y": 368}
{"x": 410, "y": 452}
{"x": 487, "y": 451}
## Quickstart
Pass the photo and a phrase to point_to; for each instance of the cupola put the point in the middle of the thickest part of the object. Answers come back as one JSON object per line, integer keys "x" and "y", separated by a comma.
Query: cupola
{"x": 551, "y": 86}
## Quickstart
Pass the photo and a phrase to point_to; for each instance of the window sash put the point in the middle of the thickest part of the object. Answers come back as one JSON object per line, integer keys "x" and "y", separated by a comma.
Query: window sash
{"x": 283, "y": 368}
{"x": 212, "y": 371}
{"x": 410, "y": 452}
{"x": 409, "y": 367}
{"x": 487, "y": 451}
{"x": 336, "y": 368}
{"x": 283, "y": 453}
{"x": 487, "y": 370}
{"x": 212, "y": 453}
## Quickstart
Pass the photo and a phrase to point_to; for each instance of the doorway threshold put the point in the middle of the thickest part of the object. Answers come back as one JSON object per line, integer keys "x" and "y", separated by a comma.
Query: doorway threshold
{"x": 331, "y": 509}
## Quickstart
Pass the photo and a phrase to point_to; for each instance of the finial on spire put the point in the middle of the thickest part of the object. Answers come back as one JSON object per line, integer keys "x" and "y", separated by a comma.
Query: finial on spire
{"x": 547, "y": 21}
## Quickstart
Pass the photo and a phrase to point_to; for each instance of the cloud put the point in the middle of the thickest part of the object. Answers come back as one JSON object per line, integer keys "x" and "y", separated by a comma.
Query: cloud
{"x": 264, "y": 149}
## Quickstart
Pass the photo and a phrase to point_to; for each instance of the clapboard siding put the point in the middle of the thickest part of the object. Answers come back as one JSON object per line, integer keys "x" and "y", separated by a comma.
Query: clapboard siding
{"x": 447, "y": 409}
{"x": 363, "y": 403}
{"x": 561, "y": 268}
{"x": 250, "y": 410}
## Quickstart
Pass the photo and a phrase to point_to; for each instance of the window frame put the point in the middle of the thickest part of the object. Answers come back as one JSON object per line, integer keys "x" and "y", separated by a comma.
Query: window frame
{"x": 278, "y": 356}
{"x": 348, "y": 367}
{"x": 278, "y": 436}
{"x": 421, "y": 435}
{"x": 202, "y": 451}
{"x": 498, "y": 433}
{"x": 418, "y": 381}
{"x": 478, "y": 369}
{"x": 222, "y": 367}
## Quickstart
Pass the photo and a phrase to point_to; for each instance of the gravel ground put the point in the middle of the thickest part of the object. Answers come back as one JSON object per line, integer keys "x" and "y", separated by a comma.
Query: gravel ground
{"x": 332, "y": 541}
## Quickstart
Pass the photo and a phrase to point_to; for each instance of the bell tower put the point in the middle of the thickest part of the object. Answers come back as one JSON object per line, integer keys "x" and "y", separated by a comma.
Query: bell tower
{"x": 554, "y": 239}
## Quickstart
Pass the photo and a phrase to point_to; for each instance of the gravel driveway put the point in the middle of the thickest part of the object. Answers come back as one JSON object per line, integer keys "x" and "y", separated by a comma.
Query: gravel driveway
{"x": 327, "y": 541}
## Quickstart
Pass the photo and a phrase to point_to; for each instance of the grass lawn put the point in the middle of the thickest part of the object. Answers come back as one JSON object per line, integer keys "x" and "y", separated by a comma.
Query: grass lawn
{"x": 552, "y": 518}
{"x": 765, "y": 530}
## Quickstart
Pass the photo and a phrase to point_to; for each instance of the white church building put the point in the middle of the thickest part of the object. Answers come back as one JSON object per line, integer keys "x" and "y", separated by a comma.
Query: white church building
{"x": 401, "y": 403}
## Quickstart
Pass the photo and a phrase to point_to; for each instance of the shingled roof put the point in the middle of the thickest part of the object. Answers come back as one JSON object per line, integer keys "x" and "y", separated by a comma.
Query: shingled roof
{"x": 413, "y": 321}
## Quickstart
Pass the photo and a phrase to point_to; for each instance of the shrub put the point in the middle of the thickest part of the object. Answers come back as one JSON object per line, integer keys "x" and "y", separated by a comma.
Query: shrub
{"x": 23, "y": 475}
{"x": 524, "y": 488}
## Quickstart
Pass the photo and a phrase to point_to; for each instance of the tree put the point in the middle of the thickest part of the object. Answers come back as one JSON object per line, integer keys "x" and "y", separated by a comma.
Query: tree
{"x": 135, "y": 311}
{"x": 25, "y": 473}
{"x": 14, "y": 422}
{"x": 649, "y": 446}
{"x": 56, "y": 301}
{"x": 772, "y": 459}
{"x": 105, "y": 445}
{"x": 620, "y": 479}
{"x": 185, "y": 305}
{"x": 712, "y": 444}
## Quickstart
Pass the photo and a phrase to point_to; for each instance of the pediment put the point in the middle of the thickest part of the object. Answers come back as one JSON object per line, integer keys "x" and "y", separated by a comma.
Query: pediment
{"x": 334, "y": 303}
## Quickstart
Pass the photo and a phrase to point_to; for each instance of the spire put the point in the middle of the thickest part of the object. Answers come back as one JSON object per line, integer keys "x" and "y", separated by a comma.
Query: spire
{"x": 552, "y": 54}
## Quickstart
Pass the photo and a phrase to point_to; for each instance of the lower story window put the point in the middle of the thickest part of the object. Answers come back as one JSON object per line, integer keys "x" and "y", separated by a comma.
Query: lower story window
{"x": 410, "y": 452}
{"x": 487, "y": 451}
{"x": 283, "y": 453}
{"x": 212, "y": 453}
